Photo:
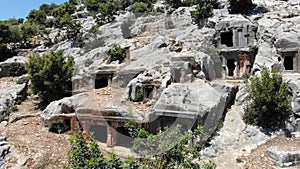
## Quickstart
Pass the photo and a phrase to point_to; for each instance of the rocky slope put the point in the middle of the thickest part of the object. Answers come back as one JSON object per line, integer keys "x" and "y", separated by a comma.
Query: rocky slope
{"x": 177, "y": 69}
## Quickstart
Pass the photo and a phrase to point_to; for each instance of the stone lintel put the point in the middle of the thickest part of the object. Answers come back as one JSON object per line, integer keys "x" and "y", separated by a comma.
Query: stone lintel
{"x": 181, "y": 114}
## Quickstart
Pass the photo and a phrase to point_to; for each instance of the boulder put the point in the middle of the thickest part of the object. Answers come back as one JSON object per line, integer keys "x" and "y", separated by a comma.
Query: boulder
{"x": 266, "y": 57}
{"x": 228, "y": 91}
{"x": 5, "y": 150}
{"x": 11, "y": 96}
{"x": 212, "y": 67}
{"x": 5, "y": 66}
{"x": 189, "y": 105}
{"x": 287, "y": 40}
{"x": 242, "y": 95}
{"x": 284, "y": 159}
{"x": 63, "y": 106}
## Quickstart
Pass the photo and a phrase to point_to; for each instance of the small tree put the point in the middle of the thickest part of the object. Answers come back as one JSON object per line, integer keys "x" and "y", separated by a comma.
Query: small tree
{"x": 51, "y": 75}
{"x": 203, "y": 10}
{"x": 116, "y": 53}
{"x": 240, "y": 6}
{"x": 269, "y": 106}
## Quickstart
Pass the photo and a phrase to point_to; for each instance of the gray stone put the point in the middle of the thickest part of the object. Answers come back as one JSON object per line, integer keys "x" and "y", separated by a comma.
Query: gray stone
{"x": 124, "y": 76}
{"x": 287, "y": 40}
{"x": 14, "y": 118}
{"x": 10, "y": 96}
{"x": 5, "y": 150}
{"x": 3, "y": 123}
{"x": 235, "y": 136}
{"x": 63, "y": 106}
{"x": 145, "y": 86}
{"x": 284, "y": 159}
{"x": 190, "y": 104}
{"x": 226, "y": 90}
{"x": 242, "y": 96}
{"x": 5, "y": 66}
{"x": 240, "y": 29}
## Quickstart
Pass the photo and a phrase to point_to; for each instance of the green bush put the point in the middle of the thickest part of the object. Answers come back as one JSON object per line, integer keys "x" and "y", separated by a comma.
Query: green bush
{"x": 139, "y": 8}
{"x": 173, "y": 149}
{"x": 269, "y": 106}
{"x": 203, "y": 10}
{"x": 17, "y": 69}
{"x": 116, "y": 53}
{"x": 88, "y": 155}
{"x": 240, "y": 6}
{"x": 51, "y": 75}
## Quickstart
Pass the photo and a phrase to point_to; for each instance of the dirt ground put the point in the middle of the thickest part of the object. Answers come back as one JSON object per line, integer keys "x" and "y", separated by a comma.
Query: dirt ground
{"x": 42, "y": 149}
{"x": 258, "y": 159}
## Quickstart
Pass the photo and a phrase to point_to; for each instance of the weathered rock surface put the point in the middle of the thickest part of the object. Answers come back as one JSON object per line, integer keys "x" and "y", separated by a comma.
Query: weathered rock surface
{"x": 284, "y": 158}
{"x": 63, "y": 106}
{"x": 234, "y": 138}
{"x": 5, "y": 150}
{"x": 10, "y": 96}
{"x": 5, "y": 65}
{"x": 191, "y": 104}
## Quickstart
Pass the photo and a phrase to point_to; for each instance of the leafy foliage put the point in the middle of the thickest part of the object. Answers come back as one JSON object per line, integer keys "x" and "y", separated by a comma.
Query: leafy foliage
{"x": 269, "y": 106}
{"x": 167, "y": 149}
{"x": 203, "y": 10}
{"x": 87, "y": 155}
{"x": 139, "y": 7}
{"x": 51, "y": 75}
{"x": 240, "y": 6}
{"x": 17, "y": 69}
{"x": 116, "y": 53}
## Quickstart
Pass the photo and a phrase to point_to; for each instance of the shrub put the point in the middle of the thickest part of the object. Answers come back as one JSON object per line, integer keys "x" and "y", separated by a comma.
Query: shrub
{"x": 203, "y": 10}
{"x": 51, "y": 75}
{"x": 173, "y": 3}
{"x": 139, "y": 8}
{"x": 116, "y": 53}
{"x": 17, "y": 69}
{"x": 269, "y": 106}
{"x": 240, "y": 6}
{"x": 88, "y": 155}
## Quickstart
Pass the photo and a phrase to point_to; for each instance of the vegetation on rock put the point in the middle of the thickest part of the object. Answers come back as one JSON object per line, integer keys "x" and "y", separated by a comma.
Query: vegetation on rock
{"x": 17, "y": 69}
{"x": 116, "y": 53}
{"x": 51, "y": 75}
{"x": 173, "y": 152}
{"x": 203, "y": 10}
{"x": 269, "y": 106}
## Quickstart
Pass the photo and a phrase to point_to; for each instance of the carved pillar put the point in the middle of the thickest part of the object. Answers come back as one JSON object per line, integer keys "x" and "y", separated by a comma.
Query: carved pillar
{"x": 86, "y": 128}
{"x": 73, "y": 123}
{"x": 242, "y": 65}
{"x": 297, "y": 62}
{"x": 112, "y": 134}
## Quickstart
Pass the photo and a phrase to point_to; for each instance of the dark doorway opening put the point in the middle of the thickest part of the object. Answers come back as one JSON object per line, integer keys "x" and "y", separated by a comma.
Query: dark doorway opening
{"x": 230, "y": 67}
{"x": 124, "y": 139}
{"x": 226, "y": 38}
{"x": 149, "y": 93}
{"x": 100, "y": 83}
{"x": 99, "y": 133}
{"x": 288, "y": 62}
